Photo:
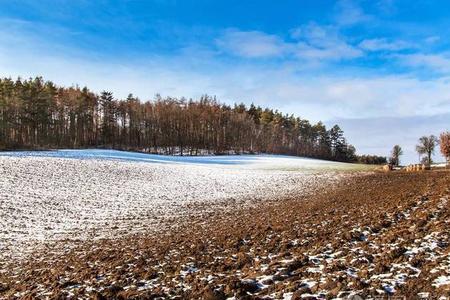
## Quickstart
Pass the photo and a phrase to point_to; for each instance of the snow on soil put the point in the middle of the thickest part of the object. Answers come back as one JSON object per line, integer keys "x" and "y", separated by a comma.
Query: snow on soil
{"x": 55, "y": 195}
{"x": 429, "y": 248}
{"x": 279, "y": 162}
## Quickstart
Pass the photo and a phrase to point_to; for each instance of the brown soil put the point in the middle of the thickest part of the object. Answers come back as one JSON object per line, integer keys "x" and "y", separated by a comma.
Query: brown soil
{"x": 375, "y": 235}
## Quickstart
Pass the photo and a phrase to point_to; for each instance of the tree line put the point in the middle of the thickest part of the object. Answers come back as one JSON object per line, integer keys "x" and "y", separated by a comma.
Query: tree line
{"x": 37, "y": 114}
{"x": 425, "y": 146}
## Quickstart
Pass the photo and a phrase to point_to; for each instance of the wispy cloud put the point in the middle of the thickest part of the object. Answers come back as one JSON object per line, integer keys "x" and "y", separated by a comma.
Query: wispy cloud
{"x": 310, "y": 42}
{"x": 432, "y": 39}
{"x": 379, "y": 135}
{"x": 382, "y": 44}
{"x": 348, "y": 12}
{"x": 251, "y": 43}
{"x": 322, "y": 42}
{"x": 439, "y": 62}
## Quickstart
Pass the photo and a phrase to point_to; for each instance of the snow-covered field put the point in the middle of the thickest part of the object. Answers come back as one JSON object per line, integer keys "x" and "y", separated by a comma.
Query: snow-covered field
{"x": 84, "y": 194}
{"x": 278, "y": 162}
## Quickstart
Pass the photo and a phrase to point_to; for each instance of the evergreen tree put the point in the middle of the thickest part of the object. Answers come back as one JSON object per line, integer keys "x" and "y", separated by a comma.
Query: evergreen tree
{"x": 108, "y": 118}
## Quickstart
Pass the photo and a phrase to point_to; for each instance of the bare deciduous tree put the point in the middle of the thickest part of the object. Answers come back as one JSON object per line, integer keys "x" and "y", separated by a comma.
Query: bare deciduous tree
{"x": 426, "y": 146}
{"x": 395, "y": 155}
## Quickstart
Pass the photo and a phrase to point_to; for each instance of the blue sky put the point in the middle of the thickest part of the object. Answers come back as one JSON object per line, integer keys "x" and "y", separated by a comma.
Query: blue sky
{"x": 378, "y": 67}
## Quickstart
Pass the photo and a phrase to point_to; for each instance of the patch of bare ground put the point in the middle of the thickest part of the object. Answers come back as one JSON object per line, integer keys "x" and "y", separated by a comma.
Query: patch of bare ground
{"x": 374, "y": 235}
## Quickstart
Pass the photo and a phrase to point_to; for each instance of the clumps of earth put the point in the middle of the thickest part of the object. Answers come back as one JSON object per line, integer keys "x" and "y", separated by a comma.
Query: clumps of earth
{"x": 376, "y": 235}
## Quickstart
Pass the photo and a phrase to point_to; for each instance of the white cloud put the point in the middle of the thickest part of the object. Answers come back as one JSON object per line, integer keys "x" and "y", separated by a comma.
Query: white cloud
{"x": 382, "y": 44}
{"x": 333, "y": 52}
{"x": 251, "y": 43}
{"x": 435, "y": 62}
{"x": 311, "y": 43}
{"x": 432, "y": 39}
{"x": 323, "y": 43}
{"x": 331, "y": 97}
{"x": 348, "y": 12}
{"x": 379, "y": 135}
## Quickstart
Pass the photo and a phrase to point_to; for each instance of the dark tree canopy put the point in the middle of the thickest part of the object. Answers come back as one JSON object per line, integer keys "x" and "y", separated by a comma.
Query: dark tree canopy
{"x": 36, "y": 114}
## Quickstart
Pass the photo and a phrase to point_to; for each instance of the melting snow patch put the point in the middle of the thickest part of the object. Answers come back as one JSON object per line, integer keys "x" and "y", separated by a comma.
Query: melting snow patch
{"x": 318, "y": 269}
{"x": 388, "y": 288}
{"x": 441, "y": 281}
{"x": 287, "y": 296}
{"x": 423, "y": 295}
{"x": 262, "y": 281}
{"x": 309, "y": 283}
{"x": 188, "y": 271}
